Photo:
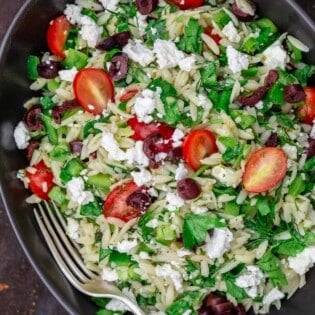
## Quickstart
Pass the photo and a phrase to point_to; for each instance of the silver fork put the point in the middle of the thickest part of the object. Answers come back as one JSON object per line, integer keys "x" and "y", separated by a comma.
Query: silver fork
{"x": 65, "y": 252}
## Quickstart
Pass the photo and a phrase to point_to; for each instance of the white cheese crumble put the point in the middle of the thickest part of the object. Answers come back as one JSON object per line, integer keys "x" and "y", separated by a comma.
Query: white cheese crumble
{"x": 109, "y": 143}
{"x": 154, "y": 223}
{"x": 219, "y": 242}
{"x": 21, "y": 136}
{"x": 182, "y": 252}
{"x": 303, "y": 261}
{"x": 136, "y": 155}
{"x": 90, "y": 31}
{"x": 237, "y": 61}
{"x": 166, "y": 271}
{"x": 145, "y": 105}
{"x": 174, "y": 201}
{"x": 250, "y": 279}
{"x": 73, "y": 228}
{"x": 68, "y": 75}
{"x": 110, "y": 5}
{"x": 275, "y": 56}
{"x": 272, "y": 296}
{"x": 231, "y": 33}
{"x": 177, "y": 137}
{"x": 76, "y": 192}
{"x": 142, "y": 177}
{"x": 227, "y": 176}
{"x": 138, "y": 52}
{"x": 169, "y": 56}
{"x": 73, "y": 13}
{"x": 125, "y": 246}
{"x": 109, "y": 274}
{"x": 141, "y": 20}
{"x": 181, "y": 172}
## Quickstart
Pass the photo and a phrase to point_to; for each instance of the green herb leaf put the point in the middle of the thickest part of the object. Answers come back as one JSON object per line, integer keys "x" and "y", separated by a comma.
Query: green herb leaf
{"x": 297, "y": 186}
{"x": 209, "y": 75}
{"x": 91, "y": 209}
{"x": 285, "y": 121}
{"x": 196, "y": 227}
{"x": 271, "y": 266}
{"x": 186, "y": 301}
{"x": 46, "y": 102}
{"x": 264, "y": 206}
{"x": 232, "y": 153}
{"x": 146, "y": 232}
{"x": 156, "y": 29}
{"x": 231, "y": 288}
{"x": 304, "y": 74}
{"x": 103, "y": 253}
{"x": 191, "y": 41}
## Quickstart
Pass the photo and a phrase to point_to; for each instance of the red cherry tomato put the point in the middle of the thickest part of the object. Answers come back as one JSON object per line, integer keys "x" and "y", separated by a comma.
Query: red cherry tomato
{"x": 209, "y": 31}
{"x": 41, "y": 180}
{"x": 264, "y": 169}
{"x": 128, "y": 95}
{"x": 93, "y": 89}
{"x": 307, "y": 111}
{"x": 187, "y": 4}
{"x": 197, "y": 145}
{"x": 57, "y": 34}
{"x": 143, "y": 130}
{"x": 116, "y": 206}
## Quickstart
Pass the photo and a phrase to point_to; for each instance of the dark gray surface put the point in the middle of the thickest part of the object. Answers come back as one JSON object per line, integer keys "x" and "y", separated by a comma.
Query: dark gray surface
{"x": 21, "y": 291}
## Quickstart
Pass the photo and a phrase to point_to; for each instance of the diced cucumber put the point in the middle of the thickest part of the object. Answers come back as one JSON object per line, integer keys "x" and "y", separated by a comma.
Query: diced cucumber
{"x": 52, "y": 85}
{"x": 50, "y": 129}
{"x": 58, "y": 195}
{"x": 32, "y": 63}
{"x": 100, "y": 181}
{"x": 221, "y": 18}
{"x": 231, "y": 208}
{"x": 75, "y": 58}
{"x": 91, "y": 209}
{"x": 72, "y": 169}
{"x": 165, "y": 234}
{"x": 267, "y": 23}
{"x": 60, "y": 153}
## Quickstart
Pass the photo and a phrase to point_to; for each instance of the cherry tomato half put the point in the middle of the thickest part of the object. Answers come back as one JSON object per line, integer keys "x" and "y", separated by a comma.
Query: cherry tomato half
{"x": 93, "y": 89}
{"x": 57, "y": 34}
{"x": 143, "y": 130}
{"x": 307, "y": 111}
{"x": 198, "y": 144}
{"x": 41, "y": 180}
{"x": 128, "y": 95}
{"x": 209, "y": 31}
{"x": 264, "y": 169}
{"x": 116, "y": 206}
{"x": 187, "y": 4}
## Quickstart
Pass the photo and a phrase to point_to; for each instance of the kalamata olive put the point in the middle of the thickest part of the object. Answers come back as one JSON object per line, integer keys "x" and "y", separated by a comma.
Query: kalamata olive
{"x": 58, "y": 111}
{"x": 32, "y": 118}
{"x": 223, "y": 308}
{"x": 213, "y": 299}
{"x": 240, "y": 310}
{"x": 273, "y": 140}
{"x": 145, "y": 7}
{"x": 76, "y": 146}
{"x": 205, "y": 311}
{"x": 139, "y": 200}
{"x": 254, "y": 98}
{"x": 118, "y": 40}
{"x": 32, "y": 146}
{"x": 48, "y": 69}
{"x": 271, "y": 78}
{"x": 118, "y": 67}
{"x": 311, "y": 148}
{"x": 188, "y": 189}
{"x": 241, "y": 12}
{"x": 175, "y": 155}
{"x": 294, "y": 93}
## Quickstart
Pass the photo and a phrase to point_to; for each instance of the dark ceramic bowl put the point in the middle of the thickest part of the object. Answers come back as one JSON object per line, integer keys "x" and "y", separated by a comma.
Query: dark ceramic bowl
{"x": 27, "y": 36}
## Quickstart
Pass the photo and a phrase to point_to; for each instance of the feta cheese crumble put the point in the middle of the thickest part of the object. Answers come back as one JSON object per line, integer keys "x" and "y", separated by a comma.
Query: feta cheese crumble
{"x": 166, "y": 271}
{"x": 76, "y": 192}
{"x": 219, "y": 242}
{"x": 142, "y": 177}
{"x": 73, "y": 13}
{"x": 237, "y": 61}
{"x": 109, "y": 274}
{"x": 21, "y": 136}
{"x": 73, "y": 228}
{"x": 303, "y": 261}
{"x": 231, "y": 33}
{"x": 275, "y": 56}
{"x": 174, "y": 201}
{"x": 272, "y": 296}
{"x": 68, "y": 75}
{"x": 181, "y": 172}
{"x": 136, "y": 155}
{"x": 227, "y": 176}
{"x": 110, "y": 5}
{"x": 138, "y": 52}
{"x": 145, "y": 105}
{"x": 109, "y": 143}
{"x": 250, "y": 279}
{"x": 90, "y": 31}
{"x": 125, "y": 246}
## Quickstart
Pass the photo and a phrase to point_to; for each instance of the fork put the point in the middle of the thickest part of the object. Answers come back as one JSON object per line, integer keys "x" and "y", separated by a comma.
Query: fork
{"x": 67, "y": 257}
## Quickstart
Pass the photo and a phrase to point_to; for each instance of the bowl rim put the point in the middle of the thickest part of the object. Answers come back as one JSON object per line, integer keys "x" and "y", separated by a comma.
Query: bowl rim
{"x": 3, "y": 46}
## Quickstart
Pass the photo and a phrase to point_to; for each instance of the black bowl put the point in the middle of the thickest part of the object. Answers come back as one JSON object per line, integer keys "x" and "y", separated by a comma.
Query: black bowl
{"x": 27, "y": 36}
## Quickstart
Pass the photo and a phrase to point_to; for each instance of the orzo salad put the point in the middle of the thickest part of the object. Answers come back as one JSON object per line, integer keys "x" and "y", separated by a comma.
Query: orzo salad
{"x": 177, "y": 139}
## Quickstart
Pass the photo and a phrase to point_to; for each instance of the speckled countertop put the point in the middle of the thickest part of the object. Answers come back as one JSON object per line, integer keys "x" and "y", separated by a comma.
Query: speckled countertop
{"x": 21, "y": 291}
